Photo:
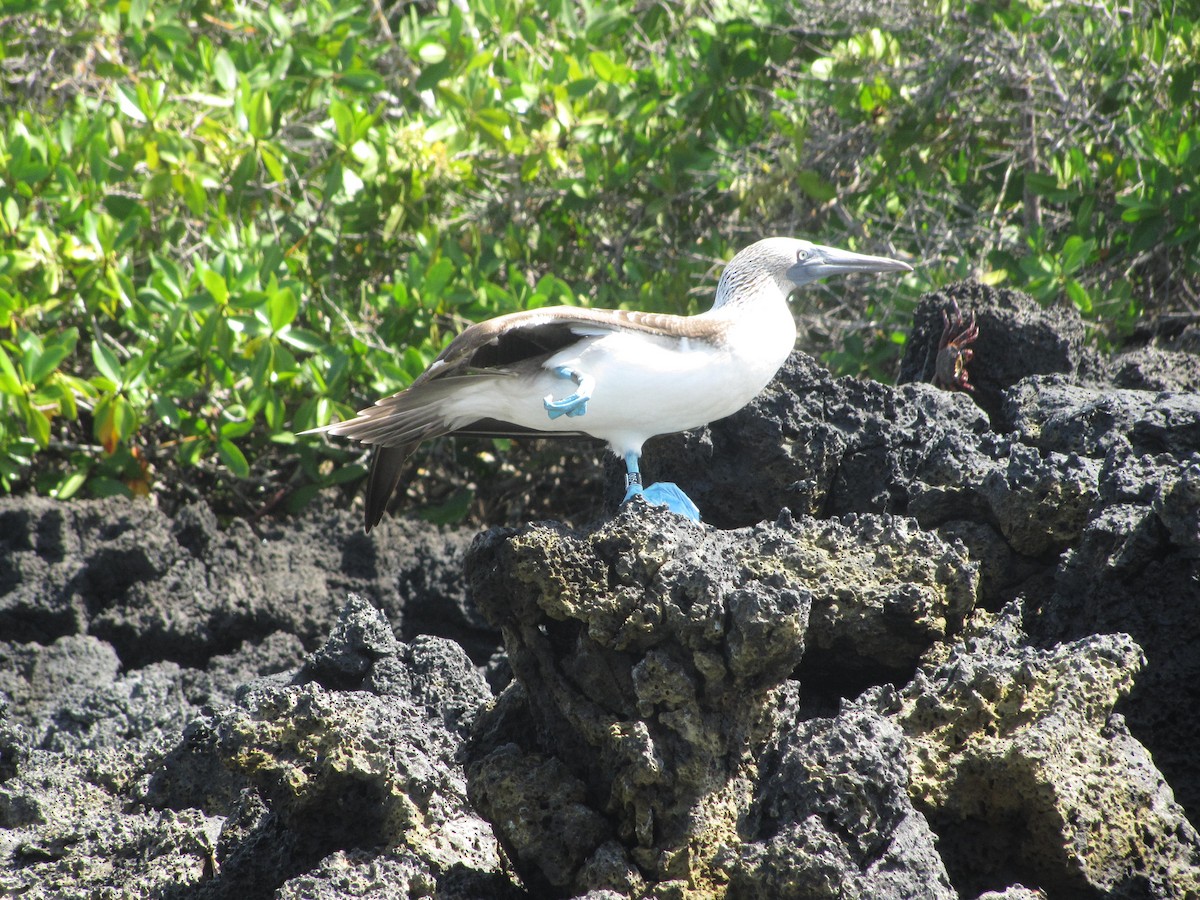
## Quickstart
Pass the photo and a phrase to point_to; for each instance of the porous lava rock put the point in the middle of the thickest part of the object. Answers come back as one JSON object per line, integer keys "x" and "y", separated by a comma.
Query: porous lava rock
{"x": 924, "y": 644}
{"x": 650, "y": 656}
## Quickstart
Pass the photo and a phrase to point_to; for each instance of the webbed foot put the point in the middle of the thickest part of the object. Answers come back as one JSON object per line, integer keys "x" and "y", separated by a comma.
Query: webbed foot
{"x": 576, "y": 403}
{"x": 668, "y": 494}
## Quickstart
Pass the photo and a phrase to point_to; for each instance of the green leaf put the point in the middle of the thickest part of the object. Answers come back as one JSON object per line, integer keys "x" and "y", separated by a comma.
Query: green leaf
{"x": 38, "y": 425}
{"x": 10, "y": 381}
{"x": 347, "y": 474}
{"x": 431, "y": 53}
{"x": 224, "y": 70}
{"x": 282, "y": 307}
{"x": 233, "y": 458}
{"x": 215, "y": 284}
{"x": 304, "y": 340}
{"x": 453, "y": 510}
{"x": 1074, "y": 253}
{"x": 362, "y": 80}
{"x": 271, "y": 162}
{"x": 1136, "y": 212}
{"x": 106, "y": 362}
{"x": 233, "y": 430}
{"x": 137, "y": 12}
{"x": 55, "y": 352}
{"x": 259, "y": 370}
{"x": 273, "y": 413}
{"x": 1079, "y": 296}
{"x": 11, "y": 213}
{"x": 69, "y": 486}
{"x": 127, "y": 102}
{"x": 437, "y": 276}
{"x": 581, "y": 88}
{"x": 1038, "y": 183}
{"x": 298, "y": 499}
{"x": 260, "y": 120}
{"x": 167, "y": 411}
{"x": 608, "y": 70}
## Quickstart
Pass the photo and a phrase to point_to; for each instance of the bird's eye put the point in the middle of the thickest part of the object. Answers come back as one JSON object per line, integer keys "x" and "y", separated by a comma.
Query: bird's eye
{"x": 802, "y": 255}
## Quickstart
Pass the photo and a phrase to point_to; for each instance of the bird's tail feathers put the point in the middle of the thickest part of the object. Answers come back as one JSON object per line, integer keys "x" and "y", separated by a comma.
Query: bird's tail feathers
{"x": 410, "y": 416}
{"x": 390, "y": 429}
{"x": 386, "y": 467}
{"x": 397, "y": 425}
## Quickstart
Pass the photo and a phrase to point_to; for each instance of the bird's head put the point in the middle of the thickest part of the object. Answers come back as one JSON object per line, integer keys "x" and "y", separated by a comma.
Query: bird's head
{"x": 790, "y": 263}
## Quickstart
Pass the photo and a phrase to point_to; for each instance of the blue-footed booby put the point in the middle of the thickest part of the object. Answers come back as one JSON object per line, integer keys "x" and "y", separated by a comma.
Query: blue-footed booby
{"x": 619, "y": 376}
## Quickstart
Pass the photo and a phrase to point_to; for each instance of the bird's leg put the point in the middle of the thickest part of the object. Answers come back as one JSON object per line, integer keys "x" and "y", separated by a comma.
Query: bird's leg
{"x": 661, "y": 493}
{"x": 633, "y": 476}
{"x": 576, "y": 404}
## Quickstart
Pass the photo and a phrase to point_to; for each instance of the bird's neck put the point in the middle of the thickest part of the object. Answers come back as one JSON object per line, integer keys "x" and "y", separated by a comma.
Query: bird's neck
{"x": 739, "y": 289}
{"x": 755, "y": 317}
{"x": 758, "y": 297}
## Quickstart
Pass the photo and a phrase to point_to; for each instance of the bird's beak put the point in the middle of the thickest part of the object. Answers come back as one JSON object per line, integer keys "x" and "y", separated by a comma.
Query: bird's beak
{"x": 826, "y": 261}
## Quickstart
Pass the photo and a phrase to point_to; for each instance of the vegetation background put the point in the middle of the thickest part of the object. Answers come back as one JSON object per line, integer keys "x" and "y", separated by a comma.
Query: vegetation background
{"x": 224, "y": 221}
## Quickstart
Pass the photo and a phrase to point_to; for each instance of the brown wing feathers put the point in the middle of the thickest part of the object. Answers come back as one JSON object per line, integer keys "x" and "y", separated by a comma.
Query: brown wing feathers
{"x": 508, "y": 344}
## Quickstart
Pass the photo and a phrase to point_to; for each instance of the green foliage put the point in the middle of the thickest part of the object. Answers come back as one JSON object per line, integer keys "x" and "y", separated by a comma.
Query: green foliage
{"x": 1050, "y": 146}
{"x": 223, "y": 223}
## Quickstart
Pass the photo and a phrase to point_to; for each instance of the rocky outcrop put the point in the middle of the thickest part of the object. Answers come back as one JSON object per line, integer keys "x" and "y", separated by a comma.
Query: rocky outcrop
{"x": 1021, "y": 764}
{"x": 650, "y": 655}
{"x": 925, "y": 644}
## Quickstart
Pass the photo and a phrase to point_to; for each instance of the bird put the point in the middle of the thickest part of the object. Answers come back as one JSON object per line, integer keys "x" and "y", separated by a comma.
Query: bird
{"x": 617, "y": 375}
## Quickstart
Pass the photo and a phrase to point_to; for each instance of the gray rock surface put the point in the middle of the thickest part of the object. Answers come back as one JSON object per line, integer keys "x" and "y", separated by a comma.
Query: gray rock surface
{"x": 351, "y": 756}
{"x": 1021, "y": 764}
{"x": 187, "y": 588}
{"x": 832, "y": 816}
{"x": 197, "y": 709}
{"x": 653, "y": 656}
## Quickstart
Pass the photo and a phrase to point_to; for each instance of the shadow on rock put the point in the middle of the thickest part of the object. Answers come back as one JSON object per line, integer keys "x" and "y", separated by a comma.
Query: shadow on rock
{"x": 191, "y": 710}
{"x": 652, "y": 658}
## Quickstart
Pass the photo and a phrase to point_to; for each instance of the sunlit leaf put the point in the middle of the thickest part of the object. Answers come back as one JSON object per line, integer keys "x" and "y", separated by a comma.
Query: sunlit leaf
{"x": 38, "y": 424}
{"x": 127, "y": 102}
{"x": 282, "y": 307}
{"x": 303, "y": 340}
{"x": 431, "y": 53}
{"x": 224, "y": 70}
{"x": 69, "y": 486}
{"x": 215, "y": 285}
{"x": 233, "y": 458}
{"x": 1079, "y": 296}
{"x": 271, "y": 162}
{"x": 10, "y": 381}
{"x": 52, "y": 355}
{"x": 106, "y": 362}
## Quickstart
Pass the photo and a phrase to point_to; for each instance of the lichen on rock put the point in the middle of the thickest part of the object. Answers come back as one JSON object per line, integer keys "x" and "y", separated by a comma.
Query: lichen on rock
{"x": 650, "y": 654}
{"x": 1021, "y": 764}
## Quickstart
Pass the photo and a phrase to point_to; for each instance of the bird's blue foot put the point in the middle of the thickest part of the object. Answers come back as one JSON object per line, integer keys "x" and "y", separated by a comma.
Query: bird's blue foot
{"x": 576, "y": 403}
{"x": 668, "y": 494}
{"x": 661, "y": 493}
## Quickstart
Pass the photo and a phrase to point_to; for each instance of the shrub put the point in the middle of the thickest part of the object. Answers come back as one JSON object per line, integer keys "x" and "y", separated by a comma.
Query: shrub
{"x": 223, "y": 223}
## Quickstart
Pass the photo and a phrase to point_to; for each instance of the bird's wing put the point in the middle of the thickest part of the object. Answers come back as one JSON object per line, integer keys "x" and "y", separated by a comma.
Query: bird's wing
{"x": 512, "y": 342}
{"x": 507, "y": 346}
